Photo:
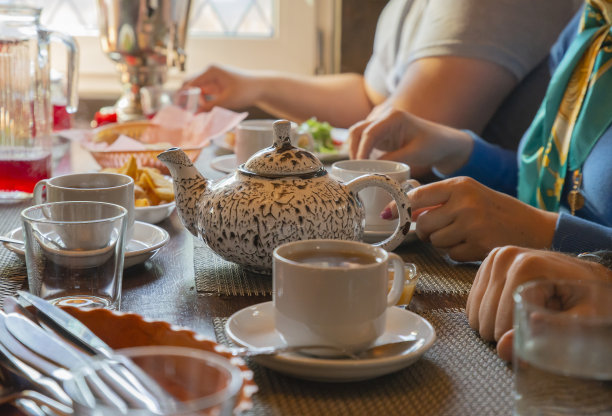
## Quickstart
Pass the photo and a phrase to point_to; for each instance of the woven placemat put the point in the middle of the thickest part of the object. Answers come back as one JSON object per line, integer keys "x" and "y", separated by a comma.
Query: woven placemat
{"x": 217, "y": 277}
{"x": 12, "y": 270}
{"x": 438, "y": 273}
{"x": 459, "y": 375}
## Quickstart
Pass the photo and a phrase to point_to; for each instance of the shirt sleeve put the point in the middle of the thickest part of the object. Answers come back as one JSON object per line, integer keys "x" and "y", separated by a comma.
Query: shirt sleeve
{"x": 576, "y": 235}
{"x": 490, "y": 165}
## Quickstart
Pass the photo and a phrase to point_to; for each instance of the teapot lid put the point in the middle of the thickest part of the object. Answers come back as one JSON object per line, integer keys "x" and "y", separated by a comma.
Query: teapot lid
{"x": 282, "y": 158}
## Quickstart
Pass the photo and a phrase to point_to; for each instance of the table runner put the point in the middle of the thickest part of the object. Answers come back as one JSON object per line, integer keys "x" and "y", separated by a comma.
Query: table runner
{"x": 439, "y": 275}
{"x": 12, "y": 270}
{"x": 459, "y": 375}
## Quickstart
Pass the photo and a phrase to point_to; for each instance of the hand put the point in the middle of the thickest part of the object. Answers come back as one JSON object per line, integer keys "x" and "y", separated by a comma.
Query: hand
{"x": 409, "y": 139}
{"x": 490, "y": 304}
{"x": 467, "y": 220}
{"x": 225, "y": 87}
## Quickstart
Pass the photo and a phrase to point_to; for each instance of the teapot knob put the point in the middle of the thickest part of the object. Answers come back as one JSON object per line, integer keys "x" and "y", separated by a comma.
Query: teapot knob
{"x": 282, "y": 133}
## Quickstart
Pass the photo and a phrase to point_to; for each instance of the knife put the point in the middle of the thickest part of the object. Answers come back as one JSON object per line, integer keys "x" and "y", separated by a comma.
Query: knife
{"x": 45, "y": 384}
{"x": 76, "y": 331}
{"x": 36, "y": 361}
{"x": 37, "y": 339}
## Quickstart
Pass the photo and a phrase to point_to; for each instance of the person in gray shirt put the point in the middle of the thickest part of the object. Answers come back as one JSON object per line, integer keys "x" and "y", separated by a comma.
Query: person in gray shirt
{"x": 453, "y": 62}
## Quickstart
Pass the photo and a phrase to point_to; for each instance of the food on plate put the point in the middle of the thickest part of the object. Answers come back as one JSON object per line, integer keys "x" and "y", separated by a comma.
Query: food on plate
{"x": 321, "y": 134}
{"x": 150, "y": 186}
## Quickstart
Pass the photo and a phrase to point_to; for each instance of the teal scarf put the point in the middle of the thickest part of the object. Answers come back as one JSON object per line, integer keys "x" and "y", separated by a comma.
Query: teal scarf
{"x": 576, "y": 111}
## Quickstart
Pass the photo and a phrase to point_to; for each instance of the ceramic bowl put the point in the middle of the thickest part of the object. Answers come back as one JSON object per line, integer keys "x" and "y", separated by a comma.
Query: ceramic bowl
{"x": 154, "y": 213}
{"x": 124, "y": 330}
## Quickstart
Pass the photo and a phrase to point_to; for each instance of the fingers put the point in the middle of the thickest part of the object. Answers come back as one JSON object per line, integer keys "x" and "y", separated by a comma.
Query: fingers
{"x": 355, "y": 132}
{"x": 504, "y": 345}
{"x": 479, "y": 286}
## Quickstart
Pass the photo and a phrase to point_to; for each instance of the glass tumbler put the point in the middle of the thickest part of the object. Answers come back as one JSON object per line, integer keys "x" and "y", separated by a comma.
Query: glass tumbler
{"x": 563, "y": 348}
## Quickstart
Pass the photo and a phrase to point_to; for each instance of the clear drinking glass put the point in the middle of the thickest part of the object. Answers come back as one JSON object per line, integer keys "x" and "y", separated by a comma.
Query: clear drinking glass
{"x": 563, "y": 348}
{"x": 26, "y": 114}
{"x": 74, "y": 252}
{"x": 195, "y": 382}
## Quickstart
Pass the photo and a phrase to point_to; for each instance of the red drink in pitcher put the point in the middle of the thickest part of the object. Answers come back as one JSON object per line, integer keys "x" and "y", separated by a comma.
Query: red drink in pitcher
{"x": 21, "y": 171}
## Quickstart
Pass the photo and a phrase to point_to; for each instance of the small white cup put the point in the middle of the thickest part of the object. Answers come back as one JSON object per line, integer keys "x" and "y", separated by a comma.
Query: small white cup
{"x": 333, "y": 292}
{"x": 96, "y": 186}
{"x": 254, "y": 135}
{"x": 375, "y": 199}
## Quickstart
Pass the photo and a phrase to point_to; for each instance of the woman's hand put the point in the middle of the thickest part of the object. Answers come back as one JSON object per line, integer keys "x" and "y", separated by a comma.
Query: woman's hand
{"x": 409, "y": 139}
{"x": 467, "y": 220}
{"x": 226, "y": 87}
{"x": 490, "y": 304}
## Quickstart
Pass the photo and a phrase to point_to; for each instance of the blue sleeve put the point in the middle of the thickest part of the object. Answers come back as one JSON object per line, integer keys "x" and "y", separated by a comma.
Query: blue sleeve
{"x": 577, "y": 235}
{"x": 490, "y": 165}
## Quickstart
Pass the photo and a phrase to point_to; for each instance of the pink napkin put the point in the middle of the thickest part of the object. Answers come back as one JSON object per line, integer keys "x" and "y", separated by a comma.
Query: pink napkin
{"x": 177, "y": 127}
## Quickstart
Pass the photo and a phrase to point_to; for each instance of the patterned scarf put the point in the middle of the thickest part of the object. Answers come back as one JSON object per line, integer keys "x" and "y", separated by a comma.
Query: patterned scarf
{"x": 576, "y": 111}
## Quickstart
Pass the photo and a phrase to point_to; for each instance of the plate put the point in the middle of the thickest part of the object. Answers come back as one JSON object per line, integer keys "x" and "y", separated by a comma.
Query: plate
{"x": 374, "y": 236}
{"x": 225, "y": 163}
{"x": 112, "y": 327}
{"x": 254, "y": 327}
{"x": 146, "y": 241}
{"x": 154, "y": 213}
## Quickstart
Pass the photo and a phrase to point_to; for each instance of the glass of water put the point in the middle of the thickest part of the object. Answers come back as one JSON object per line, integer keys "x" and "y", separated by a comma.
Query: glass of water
{"x": 563, "y": 348}
{"x": 74, "y": 252}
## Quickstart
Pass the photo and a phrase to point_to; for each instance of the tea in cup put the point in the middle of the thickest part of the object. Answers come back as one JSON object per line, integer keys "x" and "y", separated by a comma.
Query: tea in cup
{"x": 333, "y": 292}
{"x": 375, "y": 199}
{"x": 97, "y": 186}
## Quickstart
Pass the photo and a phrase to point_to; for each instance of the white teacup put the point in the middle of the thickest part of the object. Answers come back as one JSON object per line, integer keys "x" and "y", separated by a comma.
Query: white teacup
{"x": 333, "y": 292}
{"x": 375, "y": 199}
{"x": 254, "y": 135}
{"x": 96, "y": 186}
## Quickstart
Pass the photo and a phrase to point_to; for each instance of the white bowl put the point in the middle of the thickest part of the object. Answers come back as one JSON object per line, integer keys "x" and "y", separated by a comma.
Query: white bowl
{"x": 154, "y": 213}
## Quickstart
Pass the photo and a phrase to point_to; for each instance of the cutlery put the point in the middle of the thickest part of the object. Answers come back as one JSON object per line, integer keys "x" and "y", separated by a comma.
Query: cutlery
{"x": 38, "y": 340}
{"x": 74, "y": 330}
{"x": 377, "y": 351}
{"x": 45, "y": 384}
{"x": 25, "y": 396}
{"x": 10, "y": 240}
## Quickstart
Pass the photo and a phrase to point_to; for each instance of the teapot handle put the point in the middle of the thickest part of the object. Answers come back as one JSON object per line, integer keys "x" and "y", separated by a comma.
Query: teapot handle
{"x": 398, "y": 194}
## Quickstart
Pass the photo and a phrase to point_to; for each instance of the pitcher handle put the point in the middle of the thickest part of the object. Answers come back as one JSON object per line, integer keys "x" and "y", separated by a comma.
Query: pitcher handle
{"x": 398, "y": 194}
{"x": 72, "y": 69}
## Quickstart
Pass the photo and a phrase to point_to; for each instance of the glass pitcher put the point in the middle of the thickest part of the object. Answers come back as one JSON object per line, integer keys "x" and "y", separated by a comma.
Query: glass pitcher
{"x": 26, "y": 114}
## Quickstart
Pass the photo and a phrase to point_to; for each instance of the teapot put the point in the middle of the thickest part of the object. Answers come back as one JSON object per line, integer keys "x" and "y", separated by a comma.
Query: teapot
{"x": 280, "y": 194}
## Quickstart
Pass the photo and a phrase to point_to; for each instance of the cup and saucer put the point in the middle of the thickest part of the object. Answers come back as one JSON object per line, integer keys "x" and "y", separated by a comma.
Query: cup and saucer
{"x": 146, "y": 241}
{"x": 333, "y": 292}
{"x": 254, "y": 327}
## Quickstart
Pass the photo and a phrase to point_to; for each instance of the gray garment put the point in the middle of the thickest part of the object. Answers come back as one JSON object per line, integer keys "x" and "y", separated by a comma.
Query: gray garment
{"x": 516, "y": 34}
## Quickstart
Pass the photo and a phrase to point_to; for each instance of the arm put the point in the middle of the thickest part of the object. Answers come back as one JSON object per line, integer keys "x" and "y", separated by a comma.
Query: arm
{"x": 340, "y": 99}
{"x": 455, "y": 91}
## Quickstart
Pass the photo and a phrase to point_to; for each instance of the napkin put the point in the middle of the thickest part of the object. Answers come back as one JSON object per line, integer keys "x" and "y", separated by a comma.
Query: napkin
{"x": 173, "y": 126}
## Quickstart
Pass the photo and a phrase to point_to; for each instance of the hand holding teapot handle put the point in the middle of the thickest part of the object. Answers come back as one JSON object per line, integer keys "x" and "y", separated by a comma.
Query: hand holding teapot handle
{"x": 399, "y": 196}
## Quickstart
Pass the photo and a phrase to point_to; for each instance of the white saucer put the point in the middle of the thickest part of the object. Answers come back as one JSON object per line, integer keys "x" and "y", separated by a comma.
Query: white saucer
{"x": 254, "y": 327}
{"x": 146, "y": 240}
{"x": 225, "y": 163}
{"x": 374, "y": 236}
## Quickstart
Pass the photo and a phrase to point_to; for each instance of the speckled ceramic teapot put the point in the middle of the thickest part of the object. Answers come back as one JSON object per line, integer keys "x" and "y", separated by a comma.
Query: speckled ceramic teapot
{"x": 281, "y": 194}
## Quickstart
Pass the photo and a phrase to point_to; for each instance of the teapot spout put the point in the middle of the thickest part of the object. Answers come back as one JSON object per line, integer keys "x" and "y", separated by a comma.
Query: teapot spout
{"x": 189, "y": 186}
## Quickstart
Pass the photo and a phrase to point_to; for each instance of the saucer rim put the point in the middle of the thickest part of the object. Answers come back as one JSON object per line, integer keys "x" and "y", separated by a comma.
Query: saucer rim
{"x": 130, "y": 257}
{"x": 318, "y": 369}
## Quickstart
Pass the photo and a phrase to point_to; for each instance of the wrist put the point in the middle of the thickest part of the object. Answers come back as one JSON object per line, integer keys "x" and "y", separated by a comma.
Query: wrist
{"x": 459, "y": 145}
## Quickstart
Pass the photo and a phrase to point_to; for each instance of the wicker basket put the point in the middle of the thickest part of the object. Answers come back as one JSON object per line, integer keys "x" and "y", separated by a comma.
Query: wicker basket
{"x": 133, "y": 129}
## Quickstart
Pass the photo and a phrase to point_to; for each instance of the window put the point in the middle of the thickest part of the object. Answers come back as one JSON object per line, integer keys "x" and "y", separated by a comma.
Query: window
{"x": 258, "y": 34}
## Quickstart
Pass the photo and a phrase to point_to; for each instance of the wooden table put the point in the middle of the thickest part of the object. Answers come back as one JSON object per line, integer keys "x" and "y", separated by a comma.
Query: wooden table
{"x": 163, "y": 288}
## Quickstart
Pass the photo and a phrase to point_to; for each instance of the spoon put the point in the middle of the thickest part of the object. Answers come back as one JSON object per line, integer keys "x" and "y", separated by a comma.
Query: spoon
{"x": 377, "y": 351}
{"x": 10, "y": 240}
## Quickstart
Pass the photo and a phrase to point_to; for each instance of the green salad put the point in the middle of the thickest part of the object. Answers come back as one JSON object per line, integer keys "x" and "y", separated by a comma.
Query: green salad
{"x": 321, "y": 134}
